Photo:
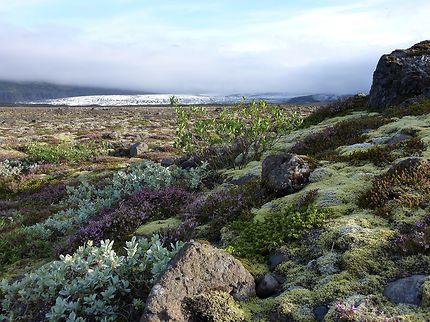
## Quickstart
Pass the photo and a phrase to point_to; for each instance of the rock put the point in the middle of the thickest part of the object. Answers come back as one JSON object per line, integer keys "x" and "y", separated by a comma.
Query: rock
{"x": 267, "y": 286}
{"x": 401, "y": 75}
{"x": 275, "y": 259}
{"x": 319, "y": 174}
{"x": 406, "y": 290}
{"x": 244, "y": 179}
{"x": 397, "y": 138}
{"x": 285, "y": 173}
{"x": 138, "y": 149}
{"x": 320, "y": 312}
{"x": 189, "y": 164}
{"x": 167, "y": 162}
{"x": 196, "y": 269}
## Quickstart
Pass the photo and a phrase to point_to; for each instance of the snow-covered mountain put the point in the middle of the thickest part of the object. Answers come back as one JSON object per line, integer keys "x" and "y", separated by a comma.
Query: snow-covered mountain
{"x": 163, "y": 99}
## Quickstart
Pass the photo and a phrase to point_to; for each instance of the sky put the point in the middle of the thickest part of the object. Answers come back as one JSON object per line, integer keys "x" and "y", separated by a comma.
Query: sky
{"x": 217, "y": 46}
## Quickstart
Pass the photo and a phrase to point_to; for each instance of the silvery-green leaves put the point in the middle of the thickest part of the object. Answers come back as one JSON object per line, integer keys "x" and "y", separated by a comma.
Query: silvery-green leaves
{"x": 93, "y": 282}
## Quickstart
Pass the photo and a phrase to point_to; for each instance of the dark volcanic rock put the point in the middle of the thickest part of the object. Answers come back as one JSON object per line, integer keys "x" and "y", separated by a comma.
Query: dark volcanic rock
{"x": 275, "y": 259}
{"x": 410, "y": 165}
{"x": 267, "y": 286}
{"x": 196, "y": 269}
{"x": 406, "y": 290}
{"x": 285, "y": 173}
{"x": 401, "y": 75}
{"x": 320, "y": 312}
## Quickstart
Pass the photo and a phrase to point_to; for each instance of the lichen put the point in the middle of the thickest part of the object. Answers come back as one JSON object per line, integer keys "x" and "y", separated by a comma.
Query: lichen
{"x": 154, "y": 227}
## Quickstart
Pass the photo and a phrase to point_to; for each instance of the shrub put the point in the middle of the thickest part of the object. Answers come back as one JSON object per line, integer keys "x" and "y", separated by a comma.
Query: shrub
{"x": 11, "y": 168}
{"x": 94, "y": 284}
{"x": 86, "y": 200}
{"x": 65, "y": 152}
{"x": 322, "y": 145}
{"x": 416, "y": 241}
{"x": 407, "y": 185}
{"x": 131, "y": 213}
{"x": 420, "y": 108}
{"x": 338, "y": 108}
{"x": 257, "y": 238}
{"x": 222, "y": 207}
{"x": 247, "y": 129}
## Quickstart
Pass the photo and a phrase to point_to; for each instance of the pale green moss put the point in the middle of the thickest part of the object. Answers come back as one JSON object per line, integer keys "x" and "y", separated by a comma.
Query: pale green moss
{"x": 155, "y": 227}
{"x": 426, "y": 294}
{"x": 295, "y": 305}
{"x": 335, "y": 287}
{"x": 215, "y": 306}
{"x": 252, "y": 168}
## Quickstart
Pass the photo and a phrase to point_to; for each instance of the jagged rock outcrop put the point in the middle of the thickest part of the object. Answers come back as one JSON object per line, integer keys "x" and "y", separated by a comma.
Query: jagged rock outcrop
{"x": 401, "y": 75}
{"x": 285, "y": 173}
{"x": 196, "y": 269}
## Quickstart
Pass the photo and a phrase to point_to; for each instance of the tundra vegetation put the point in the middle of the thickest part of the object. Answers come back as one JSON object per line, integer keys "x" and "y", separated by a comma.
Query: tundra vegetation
{"x": 86, "y": 230}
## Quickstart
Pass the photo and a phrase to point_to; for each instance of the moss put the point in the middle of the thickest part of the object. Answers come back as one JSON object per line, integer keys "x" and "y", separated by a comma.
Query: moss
{"x": 257, "y": 269}
{"x": 257, "y": 310}
{"x": 252, "y": 168}
{"x": 335, "y": 287}
{"x": 426, "y": 294}
{"x": 157, "y": 226}
{"x": 294, "y": 305}
{"x": 214, "y": 306}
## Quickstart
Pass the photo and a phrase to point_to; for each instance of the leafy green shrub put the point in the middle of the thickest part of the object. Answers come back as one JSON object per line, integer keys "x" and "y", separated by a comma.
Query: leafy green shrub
{"x": 322, "y": 145}
{"x": 247, "y": 129}
{"x": 338, "y": 108}
{"x": 65, "y": 152}
{"x": 94, "y": 283}
{"x": 257, "y": 238}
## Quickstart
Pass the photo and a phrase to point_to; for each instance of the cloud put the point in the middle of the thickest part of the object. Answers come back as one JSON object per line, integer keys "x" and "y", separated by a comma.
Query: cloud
{"x": 329, "y": 49}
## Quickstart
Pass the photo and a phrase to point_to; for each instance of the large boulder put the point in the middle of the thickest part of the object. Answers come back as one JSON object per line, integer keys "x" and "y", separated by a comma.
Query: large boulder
{"x": 138, "y": 150}
{"x": 196, "y": 269}
{"x": 408, "y": 290}
{"x": 401, "y": 75}
{"x": 285, "y": 173}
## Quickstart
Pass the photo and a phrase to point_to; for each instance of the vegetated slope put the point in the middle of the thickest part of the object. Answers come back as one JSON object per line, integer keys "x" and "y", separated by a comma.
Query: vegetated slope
{"x": 13, "y": 92}
{"x": 333, "y": 247}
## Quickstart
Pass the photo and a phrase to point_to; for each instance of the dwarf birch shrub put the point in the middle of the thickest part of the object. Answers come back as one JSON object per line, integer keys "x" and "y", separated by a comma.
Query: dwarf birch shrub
{"x": 246, "y": 128}
{"x": 86, "y": 200}
{"x": 94, "y": 283}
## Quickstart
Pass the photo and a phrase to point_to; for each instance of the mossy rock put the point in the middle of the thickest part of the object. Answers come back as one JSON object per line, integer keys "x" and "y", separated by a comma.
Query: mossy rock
{"x": 157, "y": 226}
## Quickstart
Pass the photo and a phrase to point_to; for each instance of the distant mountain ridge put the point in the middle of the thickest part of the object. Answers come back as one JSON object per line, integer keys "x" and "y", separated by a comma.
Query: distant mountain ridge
{"x": 14, "y": 92}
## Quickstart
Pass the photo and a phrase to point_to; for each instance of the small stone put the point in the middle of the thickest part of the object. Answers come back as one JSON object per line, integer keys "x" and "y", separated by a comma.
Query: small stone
{"x": 137, "y": 150}
{"x": 406, "y": 290}
{"x": 275, "y": 259}
{"x": 267, "y": 286}
{"x": 243, "y": 180}
{"x": 285, "y": 173}
{"x": 167, "y": 162}
{"x": 320, "y": 312}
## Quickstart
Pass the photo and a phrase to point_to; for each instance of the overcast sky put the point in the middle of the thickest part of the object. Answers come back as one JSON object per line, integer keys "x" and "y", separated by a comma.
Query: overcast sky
{"x": 219, "y": 46}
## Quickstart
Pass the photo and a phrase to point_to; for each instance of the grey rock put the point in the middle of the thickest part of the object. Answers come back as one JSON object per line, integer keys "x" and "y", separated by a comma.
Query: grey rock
{"x": 244, "y": 179}
{"x": 319, "y": 174}
{"x": 401, "y": 75}
{"x": 364, "y": 145}
{"x": 327, "y": 264}
{"x": 285, "y": 173}
{"x": 276, "y": 259}
{"x": 397, "y": 138}
{"x": 196, "y": 269}
{"x": 320, "y": 312}
{"x": 167, "y": 162}
{"x": 138, "y": 149}
{"x": 406, "y": 290}
{"x": 267, "y": 286}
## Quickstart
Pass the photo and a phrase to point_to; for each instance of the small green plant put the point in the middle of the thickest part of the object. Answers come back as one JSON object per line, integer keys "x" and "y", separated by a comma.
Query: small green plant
{"x": 245, "y": 128}
{"x": 258, "y": 238}
{"x": 174, "y": 100}
{"x": 65, "y": 152}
